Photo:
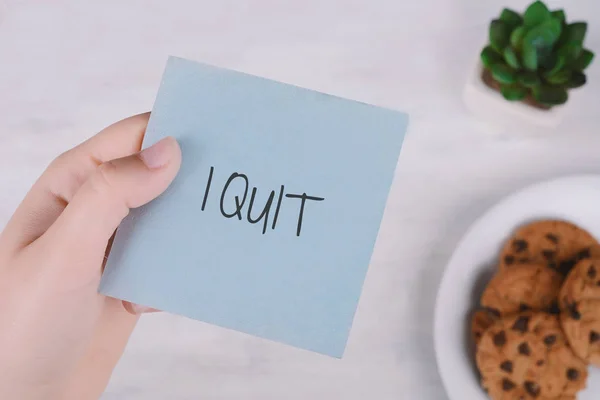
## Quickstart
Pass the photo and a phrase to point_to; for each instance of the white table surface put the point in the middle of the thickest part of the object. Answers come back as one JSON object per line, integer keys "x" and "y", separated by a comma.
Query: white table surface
{"x": 69, "y": 67}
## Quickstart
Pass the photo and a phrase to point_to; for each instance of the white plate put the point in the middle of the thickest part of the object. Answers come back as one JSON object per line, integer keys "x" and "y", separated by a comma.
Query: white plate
{"x": 575, "y": 198}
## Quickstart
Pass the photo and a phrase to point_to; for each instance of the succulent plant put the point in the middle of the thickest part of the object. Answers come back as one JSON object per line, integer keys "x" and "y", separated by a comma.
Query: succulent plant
{"x": 536, "y": 54}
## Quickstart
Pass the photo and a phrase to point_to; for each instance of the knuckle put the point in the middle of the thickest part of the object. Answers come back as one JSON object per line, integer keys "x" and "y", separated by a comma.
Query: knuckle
{"x": 103, "y": 180}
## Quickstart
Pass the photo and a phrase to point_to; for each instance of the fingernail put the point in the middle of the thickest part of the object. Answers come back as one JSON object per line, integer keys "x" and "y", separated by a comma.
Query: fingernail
{"x": 133, "y": 308}
{"x": 137, "y": 309}
{"x": 159, "y": 154}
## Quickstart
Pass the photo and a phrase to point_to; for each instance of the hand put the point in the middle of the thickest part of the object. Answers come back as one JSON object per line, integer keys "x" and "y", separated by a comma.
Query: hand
{"x": 59, "y": 338}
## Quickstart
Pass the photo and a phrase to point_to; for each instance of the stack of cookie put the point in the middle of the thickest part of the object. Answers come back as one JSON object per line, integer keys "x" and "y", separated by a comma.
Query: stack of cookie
{"x": 537, "y": 327}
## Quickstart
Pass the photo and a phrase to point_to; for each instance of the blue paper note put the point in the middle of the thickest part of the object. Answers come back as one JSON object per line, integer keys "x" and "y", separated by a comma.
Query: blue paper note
{"x": 269, "y": 227}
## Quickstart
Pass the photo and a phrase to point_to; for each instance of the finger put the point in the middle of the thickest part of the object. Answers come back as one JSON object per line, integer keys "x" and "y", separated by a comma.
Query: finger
{"x": 106, "y": 197}
{"x": 111, "y": 335}
{"x": 137, "y": 309}
{"x": 55, "y": 188}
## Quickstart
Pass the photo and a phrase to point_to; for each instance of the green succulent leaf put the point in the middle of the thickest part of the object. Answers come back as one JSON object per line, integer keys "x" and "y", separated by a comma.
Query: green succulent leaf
{"x": 559, "y": 78}
{"x": 510, "y": 17}
{"x": 546, "y": 58}
{"x": 544, "y": 35}
{"x": 576, "y": 80}
{"x": 535, "y": 14}
{"x": 583, "y": 61}
{"x": 558, "y": 63}
{"x": 550, "y": 95}
{"x": 511, "y": 58}
{"x": 575, "y": 32}
{"x": 513, "y": 92}
{"x": 559, "y": 15}
{"x": 570, "y": 51}
{"x": 516, "y": 37}
{"x": 503, "y": 74}
{"x": 528, "y": 78}
{"x": 499, "y": 34}
{"x": 529, "y": 57}
{"x": 489, "y": 56}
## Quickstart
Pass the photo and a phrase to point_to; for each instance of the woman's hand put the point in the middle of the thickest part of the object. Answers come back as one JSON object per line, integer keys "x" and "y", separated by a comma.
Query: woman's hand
{"x": 59, "y": 338}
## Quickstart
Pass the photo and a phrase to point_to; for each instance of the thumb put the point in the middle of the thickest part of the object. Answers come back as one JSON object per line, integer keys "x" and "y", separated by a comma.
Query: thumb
{"x": 102, "y": 202}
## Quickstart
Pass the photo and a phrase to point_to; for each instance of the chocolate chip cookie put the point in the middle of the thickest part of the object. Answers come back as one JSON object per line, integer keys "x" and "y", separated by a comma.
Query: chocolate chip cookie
{"x": 566, "y": 374}
{"x": 525, "y": 356}
{"x": 582, "y": 283}
{"x": 557, "y": 244}
{"x": 581, "y": 324}
{"x": 521, "y": 288}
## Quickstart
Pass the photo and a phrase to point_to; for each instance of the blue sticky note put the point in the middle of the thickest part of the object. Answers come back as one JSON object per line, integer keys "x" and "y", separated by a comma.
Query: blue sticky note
{"x": 270, "y": 225}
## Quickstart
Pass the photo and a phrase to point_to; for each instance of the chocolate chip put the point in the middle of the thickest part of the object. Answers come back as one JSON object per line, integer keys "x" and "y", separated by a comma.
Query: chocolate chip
{"x": 573, "y": 312}
{"x": 594, "y": 336}
{"x": 521, "y": 324}
{"x": 550, "y": 340}
{"x": 566, "y": 266}
{"x": 548, "y": 254}
{"x": 552, "y": 238}
{"x": 539, "y": 363}
{"x": 524, "y": 349}
{"x": 509, "y": 259}
{"x": 507, "y": 366}
{"x": 592, "y": 272}
{"x": 495, "y": 312}
{"x": 524, "y": 307}
{"x": 583, "y": 254}
{"x": 520, "y": 245}
{"x": 532, "y": 388}
{"x": 499, "y": 339}
{"x": 572, "y": 374}
{"x": 507, "y": 385}
{"x": 477, "y": 335}
{"x": 554, "y": 308}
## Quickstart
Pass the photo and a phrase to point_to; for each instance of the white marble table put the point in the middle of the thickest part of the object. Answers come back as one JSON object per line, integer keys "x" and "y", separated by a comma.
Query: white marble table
{"x": 69, "y": 67}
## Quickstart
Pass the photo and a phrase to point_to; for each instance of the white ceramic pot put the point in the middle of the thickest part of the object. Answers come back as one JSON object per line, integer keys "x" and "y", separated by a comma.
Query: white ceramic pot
{"x": 489, "y": 104}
